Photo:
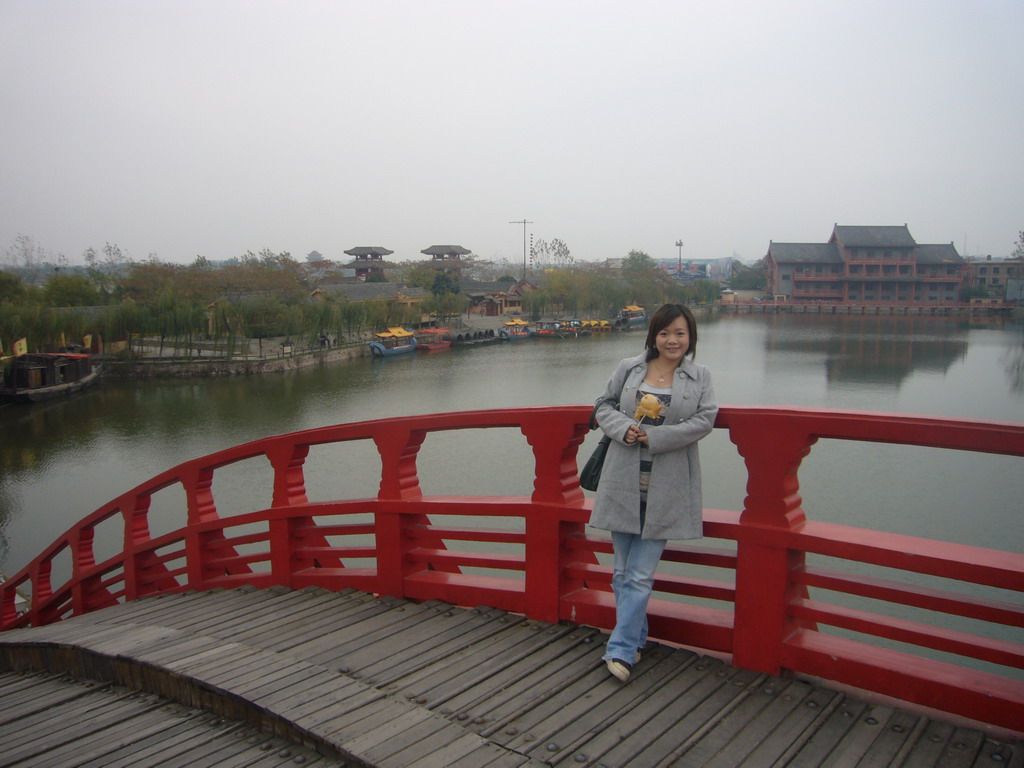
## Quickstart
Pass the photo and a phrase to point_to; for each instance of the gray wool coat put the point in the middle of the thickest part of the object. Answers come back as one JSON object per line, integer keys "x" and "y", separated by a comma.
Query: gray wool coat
{"x": 674, "y": 503}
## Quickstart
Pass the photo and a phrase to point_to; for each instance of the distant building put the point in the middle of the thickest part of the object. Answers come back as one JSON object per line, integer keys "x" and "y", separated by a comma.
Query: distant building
{"x": 492, "y": 298}
{"x": 1000, "y": 277}
{"x": 396, "y": 293}
{"x": 369, "y": 261}
{"x": 878, "y": 265}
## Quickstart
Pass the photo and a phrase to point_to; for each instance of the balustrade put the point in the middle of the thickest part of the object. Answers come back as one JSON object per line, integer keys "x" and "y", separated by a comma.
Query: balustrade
{"x": 771, "y": 611}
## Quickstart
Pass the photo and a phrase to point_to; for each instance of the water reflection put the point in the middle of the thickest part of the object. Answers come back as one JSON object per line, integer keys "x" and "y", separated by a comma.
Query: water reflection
{"x": 61, "y": 460}
{"x": 871, "y": 350}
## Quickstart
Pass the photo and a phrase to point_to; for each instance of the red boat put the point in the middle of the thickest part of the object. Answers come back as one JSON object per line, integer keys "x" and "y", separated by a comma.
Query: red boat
{"x": 433, "y": 339}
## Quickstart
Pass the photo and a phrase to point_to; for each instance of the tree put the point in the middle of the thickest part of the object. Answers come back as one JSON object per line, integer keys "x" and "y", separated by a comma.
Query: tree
{"x": 638, "y": 264}
{"x": 11, "y": 287}
{"x": 70, "y": 291}
{"x": 444, "y": 283}
{"x": 753, "y": 278}
{"x": 1018, "y": 250}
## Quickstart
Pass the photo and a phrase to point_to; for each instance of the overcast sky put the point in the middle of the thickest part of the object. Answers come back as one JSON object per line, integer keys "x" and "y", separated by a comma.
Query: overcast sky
{"x": 205, "y": 127}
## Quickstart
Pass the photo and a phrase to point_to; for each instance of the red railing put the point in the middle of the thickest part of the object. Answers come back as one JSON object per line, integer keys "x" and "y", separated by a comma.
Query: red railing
{"x": 533, "y": 555}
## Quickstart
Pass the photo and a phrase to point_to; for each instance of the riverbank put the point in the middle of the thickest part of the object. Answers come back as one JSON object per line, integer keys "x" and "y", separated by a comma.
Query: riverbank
{"x": 163, "y": 363}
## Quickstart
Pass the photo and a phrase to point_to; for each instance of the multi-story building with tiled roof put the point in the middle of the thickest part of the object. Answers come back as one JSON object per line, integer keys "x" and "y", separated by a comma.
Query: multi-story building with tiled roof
{"x": 878, "y": 265}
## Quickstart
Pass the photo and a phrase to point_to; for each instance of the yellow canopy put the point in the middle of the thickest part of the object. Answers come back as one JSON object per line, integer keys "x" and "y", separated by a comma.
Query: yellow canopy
{"x": 395, "y": 333}
{"x": 516, "y": 321}
{"x": 634, "y": 308}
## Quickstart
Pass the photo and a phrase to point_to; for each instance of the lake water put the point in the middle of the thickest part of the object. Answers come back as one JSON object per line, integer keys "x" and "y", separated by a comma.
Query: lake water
{"x": 61, "y": 460}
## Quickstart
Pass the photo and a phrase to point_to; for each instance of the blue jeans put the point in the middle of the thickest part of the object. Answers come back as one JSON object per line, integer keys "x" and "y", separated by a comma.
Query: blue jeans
{"x": 636, "y": 560}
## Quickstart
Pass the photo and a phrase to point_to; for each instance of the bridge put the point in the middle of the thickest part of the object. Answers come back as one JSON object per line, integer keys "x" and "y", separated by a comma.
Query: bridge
{"x": 528, "y": 566}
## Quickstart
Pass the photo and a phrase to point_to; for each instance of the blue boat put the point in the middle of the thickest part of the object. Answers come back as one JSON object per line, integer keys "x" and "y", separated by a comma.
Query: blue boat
{"x": 631, "y": 318}
{"x": 393, "y": 341}
{"x": 515, "y": 329}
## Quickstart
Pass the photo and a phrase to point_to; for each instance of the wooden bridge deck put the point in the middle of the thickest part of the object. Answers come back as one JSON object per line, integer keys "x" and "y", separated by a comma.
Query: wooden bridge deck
{"x": 274, "y": 677}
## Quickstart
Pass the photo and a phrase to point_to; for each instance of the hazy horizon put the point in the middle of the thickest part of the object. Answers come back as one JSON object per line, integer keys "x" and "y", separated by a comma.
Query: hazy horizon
{"x": 186, "y": 128}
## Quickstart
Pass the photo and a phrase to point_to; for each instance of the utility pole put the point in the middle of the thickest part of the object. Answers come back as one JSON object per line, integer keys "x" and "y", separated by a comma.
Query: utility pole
{"x": 679, "y": 269}
{"x": 524, "y": 222}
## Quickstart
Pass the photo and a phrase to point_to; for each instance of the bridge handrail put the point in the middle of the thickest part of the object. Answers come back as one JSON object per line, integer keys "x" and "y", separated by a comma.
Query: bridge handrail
{"x": 551, "y": 568}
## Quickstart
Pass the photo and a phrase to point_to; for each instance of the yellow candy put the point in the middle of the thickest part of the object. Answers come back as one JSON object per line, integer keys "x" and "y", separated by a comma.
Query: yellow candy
{"x": 648, "y": 407}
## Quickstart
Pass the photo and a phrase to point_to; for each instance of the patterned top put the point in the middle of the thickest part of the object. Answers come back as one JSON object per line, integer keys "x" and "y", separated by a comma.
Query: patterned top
{"x": 664, "y": 394}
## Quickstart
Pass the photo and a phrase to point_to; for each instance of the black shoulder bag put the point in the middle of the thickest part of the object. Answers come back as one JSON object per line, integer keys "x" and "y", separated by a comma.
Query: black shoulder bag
{"x": 590, "y": 475}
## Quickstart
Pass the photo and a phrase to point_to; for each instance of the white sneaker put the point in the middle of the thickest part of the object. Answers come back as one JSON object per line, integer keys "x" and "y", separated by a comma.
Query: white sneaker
{"x": 618, "y": 668}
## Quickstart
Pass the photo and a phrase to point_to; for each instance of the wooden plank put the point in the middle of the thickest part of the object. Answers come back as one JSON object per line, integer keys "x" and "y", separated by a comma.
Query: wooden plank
{"x": 537, "y": 685}
{"x": 41, "y": 696}
{"x": 418, "y": 741}
{"x": 373, "y": 626}
{"x": 181, "y": 732}
{"x": 475, "y": 665}
{"x": 437, "y": 647}
{"x": 779, "y": 699}
{"x": 388, "y": 725}
{"x": 487, "y": 694}
{"x": 817, "y": 750}
{"x": 858, "y": 739}
{"x": 443, "y": 753}
{"x": 693, "y": 680}
{"x": 696, "y": 713}
{"x": 536, "y": 723}
{"x": 493, "y": 756}
{"x": 431, "y": 684}
{"x": 649, "y": 689}
{"x": 321, "y": 715}
{"x": 962, "y": 749}
{"x": 148, "y": 716}
{"x": 781, "y": 745}
{"x": 895, "y": 742}
{"x": 68, "y": 725}
{"x": 327, "y": 620}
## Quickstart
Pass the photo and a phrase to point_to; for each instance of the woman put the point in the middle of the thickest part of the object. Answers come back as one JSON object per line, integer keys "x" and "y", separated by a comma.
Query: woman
{"x": 650, "y": 485}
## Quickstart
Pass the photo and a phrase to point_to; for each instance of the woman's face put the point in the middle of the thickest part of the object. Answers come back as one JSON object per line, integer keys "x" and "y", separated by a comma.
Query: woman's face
{"x": 673, "y": 341}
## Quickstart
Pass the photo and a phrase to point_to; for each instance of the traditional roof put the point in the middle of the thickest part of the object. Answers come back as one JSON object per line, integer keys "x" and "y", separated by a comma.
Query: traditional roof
{"x": 478, "y": 287}
{"x": 873, "y": 237}
{"x": 802, "y": 253}
{"x": 937, "y": 254}
{"x": 367, "y": 251}
{"x": 373, "y": 291}
{"x": 446, "y": 250}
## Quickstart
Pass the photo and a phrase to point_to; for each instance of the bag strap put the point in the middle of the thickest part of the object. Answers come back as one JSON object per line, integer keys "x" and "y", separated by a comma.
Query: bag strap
{"x": 593, "y": 414}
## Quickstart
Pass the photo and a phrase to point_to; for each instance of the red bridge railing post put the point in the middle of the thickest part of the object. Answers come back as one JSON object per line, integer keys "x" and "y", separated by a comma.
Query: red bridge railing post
{"x": 763, "y": 585}
{"x": 288, "y": 461}
{"x": 398, "y": 447}
{"x": 555, "y": 440}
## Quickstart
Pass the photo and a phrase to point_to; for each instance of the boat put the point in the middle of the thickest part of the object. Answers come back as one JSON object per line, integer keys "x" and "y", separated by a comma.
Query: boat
{"x": 45, "y": 375}
{"x": 515, "y": 329}
{"x": 433, "y": 339}
{"x": 393, "y": 341}
{"x": 550, "y": 329}
{"x": 631, "y": 317}
{"x": 576, "y": 328}
{"x": 598, "y": 326}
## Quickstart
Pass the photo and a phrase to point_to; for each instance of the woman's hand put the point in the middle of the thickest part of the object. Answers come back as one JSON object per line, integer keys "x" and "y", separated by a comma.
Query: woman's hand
{"x": 634, "y": 434}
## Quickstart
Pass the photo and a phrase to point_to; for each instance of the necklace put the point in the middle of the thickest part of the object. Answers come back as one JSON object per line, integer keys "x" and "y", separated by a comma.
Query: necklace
{"x": 661, "y": 378}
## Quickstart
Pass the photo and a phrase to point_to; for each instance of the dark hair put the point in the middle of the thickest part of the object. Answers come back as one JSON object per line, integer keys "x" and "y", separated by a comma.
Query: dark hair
{"x": 664, "y": 317}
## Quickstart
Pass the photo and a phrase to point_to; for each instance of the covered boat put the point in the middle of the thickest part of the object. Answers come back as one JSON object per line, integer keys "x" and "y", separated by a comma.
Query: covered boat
{"x": 42, "y": 376}
{"x": 393, "y": 341}
{"x": 631, "y": 317}
{"x": 515, "y": 329}
{"x": 433, "y": 339}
